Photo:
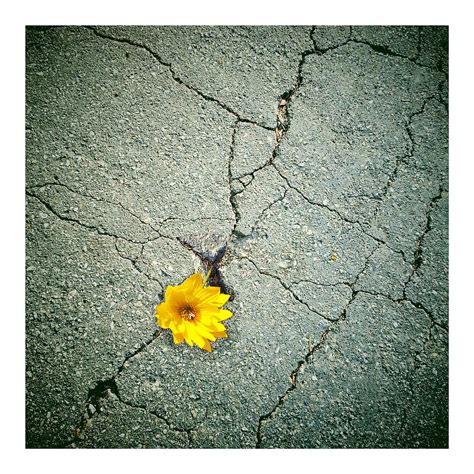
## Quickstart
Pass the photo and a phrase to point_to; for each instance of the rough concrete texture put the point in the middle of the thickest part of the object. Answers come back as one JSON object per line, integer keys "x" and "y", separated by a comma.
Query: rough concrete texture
{"x": 356, "y": 389}
{"x": 316, "y": 157}
{"x": 243, "y": 68}
{"x": 400, "y": 40}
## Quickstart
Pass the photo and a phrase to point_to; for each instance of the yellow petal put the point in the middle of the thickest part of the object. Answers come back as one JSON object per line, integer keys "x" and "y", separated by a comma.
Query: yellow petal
{"x": 216, "y": 327}
{"x": 212, "y": 296}
{"x": 187, "y": 336}
{"x": 204, "y": 331}
{"x": 174, "y": 299}
{"x": 210, "y": 310}
{"x": 220, "y": 299}
{"x": 195, "y": 336}
{"x": 224, "y": 314}
{"x": 207, "y": 293}
{"x": 163, "y": 323}
{"x": 173, "y": 325}
{"x": 180, "y": 325}
{"x": 163, "y": 315}
{"x": 204, "y": 302}
{"x": 193, "y": 283}
{"x": 170, "y": 292}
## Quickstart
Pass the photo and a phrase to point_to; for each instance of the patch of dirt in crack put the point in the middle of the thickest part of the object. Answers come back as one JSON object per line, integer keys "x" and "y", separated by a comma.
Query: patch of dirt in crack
{"x": 212, "y": 260}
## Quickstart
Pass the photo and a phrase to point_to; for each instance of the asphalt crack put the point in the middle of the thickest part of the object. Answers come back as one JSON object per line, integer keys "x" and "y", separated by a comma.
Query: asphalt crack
{"x": 427, "y": 337}
{"x": 312, "y": 350}
{"x": 99, "y": 230}
{"x": 103, "y": 232}
{"x": 175, "y": 76}
{"x": 134, "y": 263}
{"x": 418, "y": 253}
{"x": 95, "y": 198}
{"x": 265, "y": 210}
{"x": 284, "y": 285}
{"x": 283, "y": 119}
{"x": 101, "y": 390}
{"x": 320, "y": 51}
{"x": 337, "y": 213}
{"x": 405, "y": 299}
{"x": 401, "y": 160}
{"x": 232, "y": 193}
{"x": 388, "y": 52}
{"x": 381, "y": 49}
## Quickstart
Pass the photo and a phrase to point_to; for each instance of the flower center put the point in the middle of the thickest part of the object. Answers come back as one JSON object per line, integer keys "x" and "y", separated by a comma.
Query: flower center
{"x": 187, "y": 312}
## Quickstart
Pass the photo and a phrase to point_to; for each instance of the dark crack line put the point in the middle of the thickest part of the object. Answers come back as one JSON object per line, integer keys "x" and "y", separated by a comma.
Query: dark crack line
{"x": 327, "y": 285}
{"x": 102, "y": 232}
{"x": 99, "y": 230}
{"x": 236, "y": 234}
{"x": 312, "y": 350}
{"x": 310, "y": 201}
{"x": 242, "y": 182}
{"x": 295, "y": 373}
{"x": 211, "y": 263}
{"x": 154, "y": 229}
{"x": 283, "y": 113}
{"x": 293, "y": 385}
{"x": 401, "y": 160}
{"x": 285, "y": 286}
{"x": 101, "y": 391}
{"x": 341, "y": 217}
{"x": 186, "y": 431}
{"x": 175, "y": 76}
{"x": 416, "y": 353}
{"x": 134, "y": 262}
{"x": 320, "y": 51}
{"x": 418, "y": 46}
{"x": 232, "y": 195}
{"x": 440, "y": 95}
{"x": 426, "y": 310}
{"x": 336, "y": 212}
{"x": 265, "y": 210}
{"x": 392, "y": 177}
{"x": 405, "y": 299}
{"x": 97, "y": 199}
{"x": 409, "y": 124}
{"x": 418, "y": 252}
{"x": 388, "y": 52}
{"x": 196, "y": 219}
{"x": 251, "y": 174}
{"x": 382, "y": 50}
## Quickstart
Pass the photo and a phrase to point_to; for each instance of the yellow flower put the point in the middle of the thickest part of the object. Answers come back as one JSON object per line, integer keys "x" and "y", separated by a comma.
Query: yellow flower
{"x": 193, "y": 313}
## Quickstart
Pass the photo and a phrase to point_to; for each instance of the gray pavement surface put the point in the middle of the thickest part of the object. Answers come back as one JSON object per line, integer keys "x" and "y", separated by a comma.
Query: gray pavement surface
{"x": 317, "y": 155}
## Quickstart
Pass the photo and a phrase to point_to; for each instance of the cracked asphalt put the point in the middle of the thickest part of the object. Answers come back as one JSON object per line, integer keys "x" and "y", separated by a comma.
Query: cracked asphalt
{"x": 316, "y": 156}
